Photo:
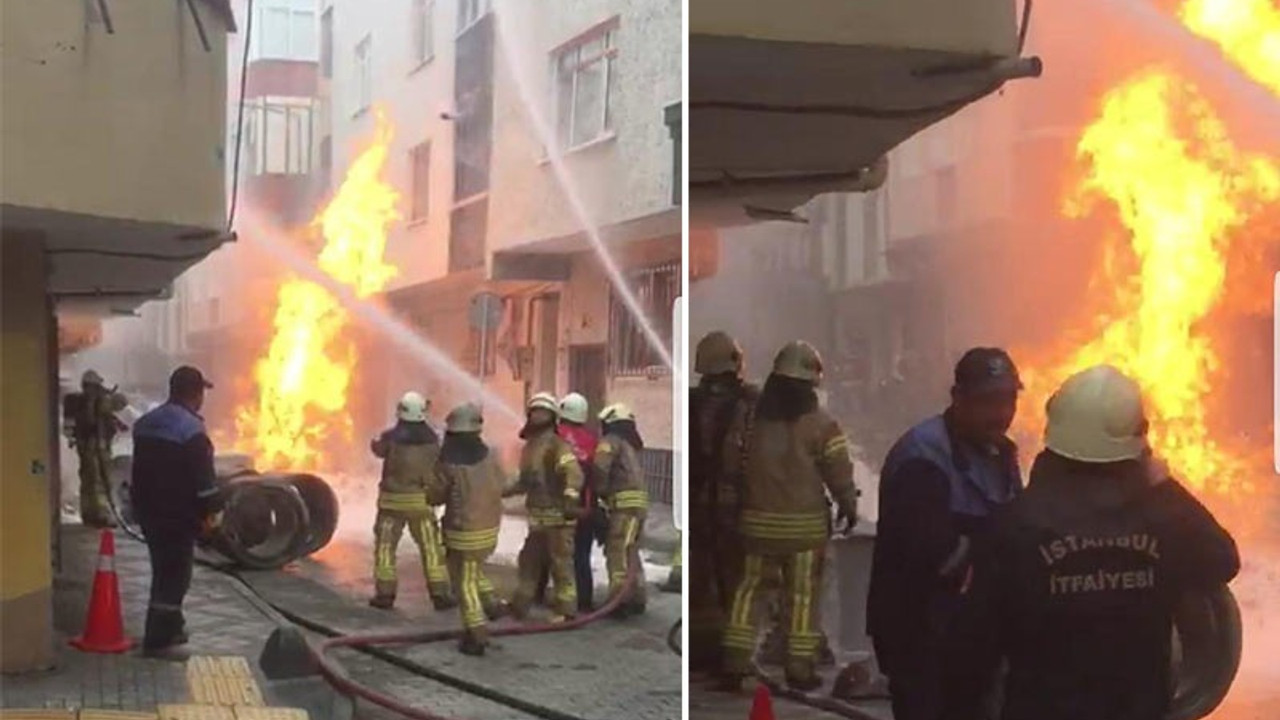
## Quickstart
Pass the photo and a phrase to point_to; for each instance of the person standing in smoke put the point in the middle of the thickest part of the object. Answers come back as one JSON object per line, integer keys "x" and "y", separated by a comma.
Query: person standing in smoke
{"x": 939, "y": 486}
{"x": 1078, "y": 590}
{"x": 91, "y": 426}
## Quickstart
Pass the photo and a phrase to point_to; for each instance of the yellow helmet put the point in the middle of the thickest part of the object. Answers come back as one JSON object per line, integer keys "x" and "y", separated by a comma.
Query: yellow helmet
{"x": 543, "y": 401}
{"x": 466, "y": 418}
{"x": 617, "y": 412}
{"x": 717, "y": 353}
{"x": 1097, "y": 416}
{"x": 798, "y": 359}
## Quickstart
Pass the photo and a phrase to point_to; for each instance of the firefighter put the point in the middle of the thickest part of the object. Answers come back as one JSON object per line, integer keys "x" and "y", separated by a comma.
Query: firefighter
{"x": 675, "y": 579}
{"x": 92, "y": 426}
{"x": 470, "y": 484}
{"x": 409, "y": 452}
{"x": 721, "y": 402}
{"x": 621, "y": 485}
{"x": 796, "y": 454}
{"x": 593, "y": 526}
{"x": 551, "y": 481}
{"x": 1086, "y": 567}
{"x": 939, "y": 485}
{"x": 173, "y": 493}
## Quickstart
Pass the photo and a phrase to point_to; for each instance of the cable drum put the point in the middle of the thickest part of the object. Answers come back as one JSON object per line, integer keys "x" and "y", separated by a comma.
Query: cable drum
{"x": 1208, "y": 638}
{"x": 264, "y": 523}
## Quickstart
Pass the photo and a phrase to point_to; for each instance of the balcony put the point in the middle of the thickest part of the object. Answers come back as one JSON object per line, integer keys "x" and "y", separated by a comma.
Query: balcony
{"x": 793, "y": 100}
{"x": 115, "y": 119}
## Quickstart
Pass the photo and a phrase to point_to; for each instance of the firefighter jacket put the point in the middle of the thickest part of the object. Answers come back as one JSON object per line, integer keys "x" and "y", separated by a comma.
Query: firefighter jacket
{"x": 1080, "y": 585}
{"x": 469, "y": 483}
{"x": 551, "y": 480}
{"x": 91, "y": 415}
{"x": 720, "y": 414}
{"x": 409, "y": 452}
{"x": 620, "y": 476}
{"x": 790, "y": 468}
{"x": 935, "y": 489}
{"x": 172, "y": 486}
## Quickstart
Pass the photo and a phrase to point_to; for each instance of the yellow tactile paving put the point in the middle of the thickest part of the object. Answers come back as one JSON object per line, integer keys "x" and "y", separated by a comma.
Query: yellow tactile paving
{"x": 266, "y": 713}
{"x": 88, "y": 714}
{"x": 229, "y": 666}
{"x": 225, "y": 691}
{"x": 196, "y": 712}
{"x": 37, "y": 714}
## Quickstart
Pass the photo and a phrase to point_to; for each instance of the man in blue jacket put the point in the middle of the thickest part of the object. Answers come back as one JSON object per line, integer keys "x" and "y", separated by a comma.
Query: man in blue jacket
{"x": 173, "y": 494}
{"x": 939, "y": 485}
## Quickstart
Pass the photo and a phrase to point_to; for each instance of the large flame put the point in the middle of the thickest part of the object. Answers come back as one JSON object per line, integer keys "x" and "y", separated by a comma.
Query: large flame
{"x": 299, "y": 416}
{"x": 1247, "y": 31}
{"x": 1160, "y": 158}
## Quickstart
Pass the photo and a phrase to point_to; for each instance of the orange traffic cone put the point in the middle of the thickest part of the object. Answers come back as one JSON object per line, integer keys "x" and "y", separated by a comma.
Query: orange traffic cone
{"x": 104, "y": 626}
{"x": 762, "y": 704}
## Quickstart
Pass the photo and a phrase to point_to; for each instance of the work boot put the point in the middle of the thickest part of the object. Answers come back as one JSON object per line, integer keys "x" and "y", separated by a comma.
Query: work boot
{"x": 169, "y": 653}
{"x": 471, "y": 646}
{"x": 181, "y": 638}
{"x": 496, "y": 610}
{"x": 383, "y": 602}
{"x": 444, "y": 602}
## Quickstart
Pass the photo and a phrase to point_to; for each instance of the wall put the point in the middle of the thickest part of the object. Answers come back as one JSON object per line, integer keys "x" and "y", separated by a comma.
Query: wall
{"x": 26, "y": 599}
{"x": 145, "y": 107}
{"x": 620, "y": 178}
{"x": 414, "y": 96}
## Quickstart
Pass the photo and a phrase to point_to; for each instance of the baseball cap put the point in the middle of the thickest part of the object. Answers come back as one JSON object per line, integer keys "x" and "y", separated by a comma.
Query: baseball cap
{"x": 984, "y": 369}
{"x": 186, "y": 379}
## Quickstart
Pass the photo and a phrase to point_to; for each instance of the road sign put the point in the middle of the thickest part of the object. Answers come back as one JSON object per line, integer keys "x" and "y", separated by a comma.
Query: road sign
{"x": 486, "y": 311}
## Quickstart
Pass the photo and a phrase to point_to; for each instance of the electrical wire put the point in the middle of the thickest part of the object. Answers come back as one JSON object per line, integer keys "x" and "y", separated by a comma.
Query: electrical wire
{"x": 244, "y": 74}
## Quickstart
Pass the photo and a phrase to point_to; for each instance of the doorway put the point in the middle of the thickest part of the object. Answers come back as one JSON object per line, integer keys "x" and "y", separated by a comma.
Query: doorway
{"x": 587, "y": 376}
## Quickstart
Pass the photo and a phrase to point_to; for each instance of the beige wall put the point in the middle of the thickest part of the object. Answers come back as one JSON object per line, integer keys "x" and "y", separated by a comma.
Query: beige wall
{"x": 128, "y": 125}
{"x": 26, "y": 622}
{"x": 967, "y": 26}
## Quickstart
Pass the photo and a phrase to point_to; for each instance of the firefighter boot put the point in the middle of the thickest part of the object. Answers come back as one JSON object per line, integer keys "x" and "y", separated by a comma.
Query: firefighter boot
{"x": 383, "y": 602}
{"x": 471, "y": 645}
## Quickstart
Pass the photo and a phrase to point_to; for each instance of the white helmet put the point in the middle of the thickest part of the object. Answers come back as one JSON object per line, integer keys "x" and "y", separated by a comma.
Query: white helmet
{"x": 412, "y": 407}
{"x": 543, "y": 401}
{"x": 573, "y": 407}
{"x": 616, "y": 412}
{"x": 1097, "y": 416}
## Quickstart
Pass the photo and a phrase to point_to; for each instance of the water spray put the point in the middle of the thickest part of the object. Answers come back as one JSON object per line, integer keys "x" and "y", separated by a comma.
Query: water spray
{"x": 556, "y": 158}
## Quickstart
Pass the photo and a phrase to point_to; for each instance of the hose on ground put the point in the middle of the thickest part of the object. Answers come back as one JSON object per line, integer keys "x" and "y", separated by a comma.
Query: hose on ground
{"x": 333, "y": 673}
{"x": 673, "y": 638}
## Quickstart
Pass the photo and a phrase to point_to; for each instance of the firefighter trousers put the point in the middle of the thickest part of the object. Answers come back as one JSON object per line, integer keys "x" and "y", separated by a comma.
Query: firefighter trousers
{"x": 95, "y": 473}
{"x": 801, "y": 579}
{"x": 477, "y": 599}
{"x": 621, "y": 551}
{"x": 547, "y": 546}
{"x": 425, "y": 531}
{"x": 713, "y": 578}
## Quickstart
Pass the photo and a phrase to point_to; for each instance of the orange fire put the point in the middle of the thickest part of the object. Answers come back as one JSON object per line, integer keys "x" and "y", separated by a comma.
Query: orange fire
{"x": 1159, "y": 158}
{"x": 303, "y": 379}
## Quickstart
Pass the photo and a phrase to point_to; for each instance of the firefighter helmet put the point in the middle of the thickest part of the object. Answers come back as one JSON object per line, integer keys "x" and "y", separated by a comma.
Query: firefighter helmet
{"x": 543, "y": 401}
{"x": 91, "y": 377}
{"x": 412, "y": 407}
{"x": 574, "y": 408}
{"x": 1097, "y": 416}
{"x": 466, "y": 418}
{"x": 798, "y": 359}
{"x": 617, "y": 412}
{"x": 717, "y": 353}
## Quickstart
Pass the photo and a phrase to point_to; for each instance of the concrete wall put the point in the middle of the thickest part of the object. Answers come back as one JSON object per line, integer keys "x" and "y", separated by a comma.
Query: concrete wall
{"x": 128, "y": 125}
{"x": 625, "y": 176}
{"x": 26, "y": 619}
{"x": 414, "y": 95}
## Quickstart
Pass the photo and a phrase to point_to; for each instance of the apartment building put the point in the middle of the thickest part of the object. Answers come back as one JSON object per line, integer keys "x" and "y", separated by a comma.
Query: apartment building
{"x": 92, "y": 227}
{"x": 517, "y": 127}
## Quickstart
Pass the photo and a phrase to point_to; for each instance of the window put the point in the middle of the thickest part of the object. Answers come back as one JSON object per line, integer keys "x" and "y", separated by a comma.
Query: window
{"x": 656, "y": 288}
{"x": 423, "y": 22}
{"x": 470, "y": 12}
{"x": 364, "y": 75}
{"x": 420, "y": 159}
{"x": 288, "y": 30}
{"x": 584, "y": 73}
{"x": 326, "y": 43}
{"x": 278, "y": 136}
